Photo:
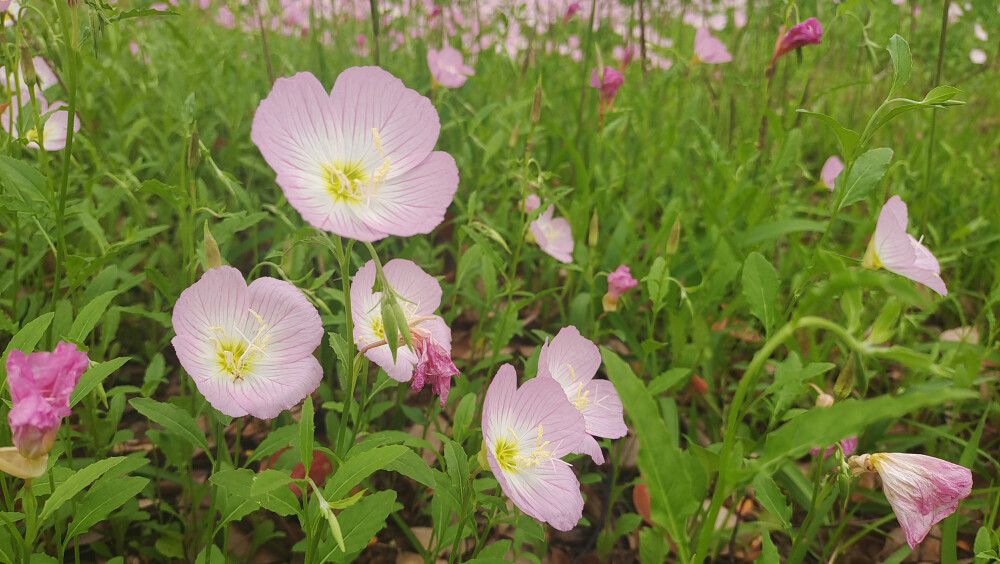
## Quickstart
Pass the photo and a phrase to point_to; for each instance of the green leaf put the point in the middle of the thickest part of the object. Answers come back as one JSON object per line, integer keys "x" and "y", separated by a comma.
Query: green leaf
{"x": 276, "y": 440}
{"x": 26, "y": 338}
{"x": 940, "y": 95}
{"x": 885, "y": 324}
{"x": 75, "y": 483}
{"x": 21, "y": 176}
{"x": 360, "y": 522}
{"x": 771, "y": 498}
{"x": 769, "y": 552}
{"x": 760, "y": 287}
{"x": 174, "y": 419}
{"x": 847, "y": 138}
{"x": 902, "y": 64}
{"x": 411, "y": 464}
{"x": 102, "y": 500}
{"x": 94, "y": 376}
{"x": 865, "y": 175}
{"x": 270, "y": 489}
{"x": 358, "y": 467}
{"x": 307, "y": 432}
{"x": 462, "y": 423}
{"x": 774, "y": 229}
{"x": 789, "y": 379}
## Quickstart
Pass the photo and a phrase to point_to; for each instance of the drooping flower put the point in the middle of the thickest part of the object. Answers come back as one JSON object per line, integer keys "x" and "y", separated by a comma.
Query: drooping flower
{"x": 808, "y": 32}
{"x": 250, "y": 348}
{"x": 55, "y": 120}
{"x": 892, "y": 248}
{"x": 619, "y": 282}
{"x": 447, "y": 66}
{"x": 922, "y": 490}
{"x": 831, "y": 170}
{"x": 710, "y": 49}
{"x": 553, "y": 235}
{"x": 848, "y": 446}
{"x": 527, "y": 431}
{"x": 609, "y": 82}
{"x": 571, "y": 11}
{"x": 40, "y": 386}
{"x": 429, "y": 361}
{"x": 358, "y": 161}
{"x": 572, "y": 361}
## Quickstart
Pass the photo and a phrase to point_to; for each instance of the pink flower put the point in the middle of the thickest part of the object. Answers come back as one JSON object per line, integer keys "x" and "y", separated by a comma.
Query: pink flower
{"x": 831, "y": 170}
{"x": 40, "y": 386}
{"x": 608, "y": 83}
{"x": 571, "y": 11}
{"x": 710, "y": 49}
{"x": 572, "y": 360}
{"x": 848, "y": 446}
{"x": 4, "y": 4}
{"x": 531, "y": 203}
{"x": 922, "y": 490}
{"x": 429, "y": 362}
{"x": 527, "y": 431}
{"x": 977, "y": 56}
{"x": 54, "y": 129}
{"x": 625, "y": 54}
{"x": 358, "y": 161}
{"x": 808, "y": 32}
{"x": 619, "y": 282}
{"x": 892, "y": 248}
{"x": 554, "y": 236}
{"x": 447, "y": 67}
{"x": 249, "y": 349}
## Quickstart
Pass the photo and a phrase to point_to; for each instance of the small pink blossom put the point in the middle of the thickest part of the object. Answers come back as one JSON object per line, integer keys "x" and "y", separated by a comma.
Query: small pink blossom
{"x": 447, "y": 67}
{"x": 619, "y": 282}
{"x": 249, "y": 349}
{"x": 625, "y": 54}
{"x": 808, "y": 32}
{"x": 831, "y": 170}
{"x": 848, "y": 446}
{"x": 922, "y": 490}
{"x": 40, "y": 387}
{"x": 527, "y": 431}
{"x": 531, "y": 203}
{"x": 710, "y": 49}
{"x": 572, "y": 360}
{"x": 361, "y": 45}
{"x": 892, "y": 248}
{"x": 977, "y": 56}
{"x": 553, "y": 235}
{"x": 429, "y": 362}
{"x": 571, "y": 11}
{"x": 359, "y": 161}
{"x": 608, "y": 83}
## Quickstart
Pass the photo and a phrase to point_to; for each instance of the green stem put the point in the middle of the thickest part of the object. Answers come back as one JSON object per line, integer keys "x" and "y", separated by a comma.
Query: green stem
{"x": 71, "y": 33}
{"x": 375, "y": 22}
{"x": 929, "y": 166}
{"x": 344, "y": 259}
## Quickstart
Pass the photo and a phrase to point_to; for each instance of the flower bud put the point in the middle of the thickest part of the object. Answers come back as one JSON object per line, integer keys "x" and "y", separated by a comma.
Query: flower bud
{"x": 28, "y": 68}
{"x": 536, "y": 104}
{"x": 213, "y": 258}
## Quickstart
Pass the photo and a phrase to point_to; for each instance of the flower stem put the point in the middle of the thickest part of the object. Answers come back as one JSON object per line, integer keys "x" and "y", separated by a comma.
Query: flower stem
{"x": 929, "y": 167}
{"x": 344, "y": 259}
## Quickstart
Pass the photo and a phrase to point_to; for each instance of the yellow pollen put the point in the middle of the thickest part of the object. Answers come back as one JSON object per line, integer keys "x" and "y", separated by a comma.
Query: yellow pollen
{"x": 572, "y": 373}
{"x": 237, "y": 356}
{"x": 581, "y": 401}
{"x": 508, "y": 452}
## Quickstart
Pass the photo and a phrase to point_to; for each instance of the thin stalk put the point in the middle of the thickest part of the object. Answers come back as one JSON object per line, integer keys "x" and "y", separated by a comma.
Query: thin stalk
{"x": 71, "y": 34}
{"x": 929, "y": 165}
{"x": 587, "y": 50}
{"x": 344, "y": 258}
{"x": 375, "y": 50}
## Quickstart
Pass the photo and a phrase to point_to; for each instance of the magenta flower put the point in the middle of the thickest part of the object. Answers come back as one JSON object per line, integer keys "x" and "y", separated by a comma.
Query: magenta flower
{"x": 608, "y": 82}
{"x": 808, "y": 32}
{"x": 709, "y": 49}
{"x": 554, "y": 236}
{"x": 527, "y": 431}
{"x": 892, "y": 248}
{"x": 831, "y": 170}
{"x": 848, "y": 446}
{"x": 619, "y": 282}
{"x": 447, "y": 67}
{"x": 572, "y": 360}
{"x": 358, "y": 161}
{"x": 249, "y": 349}
{"x": 571, "y": 11}
{"x": 40, "y": 386}
{"x": 429, "y": 362}
{"x": 922, "y": 490}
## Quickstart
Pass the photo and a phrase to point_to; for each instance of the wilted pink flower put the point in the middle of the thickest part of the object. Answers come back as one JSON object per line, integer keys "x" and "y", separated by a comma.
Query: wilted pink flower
{"x": 40, "y": 386}
{"x": 359, "y": 161}
{"x": 848, "y": 446}
{"x": 554, "y": 236}
{"x": 619, "y": 282}
{"x": 447, "y": 67}
{"x": 892, "y": 248}
{"x": 55, "y": 125}
{"x": 831, "y": 170}
{"x": 572, "y": 360}
{"x": 808, "y": 32}
{"x": 922, "y": 490}
{"x": 608, "y": 83}
{"x": 527, "y": 431}
{"x": 248, "y": 349}
{"x": 571, "y": 11}
{"x": 429, "y": 362}
{"x": 710, "y": 49}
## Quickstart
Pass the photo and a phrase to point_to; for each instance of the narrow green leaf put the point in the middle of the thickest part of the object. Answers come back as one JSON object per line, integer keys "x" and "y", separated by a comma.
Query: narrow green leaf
{"x": 768, "y": 552}
{"x": 75, "y": 483}
{"x": 360, "y": 522}
{"x": 173, "y": 419}
{"x": 940, "y": 94}
{"x": 760, "y": 287}
{"x": 276, "y": 440}
{"x": 902, "y": 64}
{"x": 771, "y": 498}
{"x": 22, "y": 177}
{"x": 94, "y": 376}
{"x": 359, "y": 467}
{"x": 462, "y": 422}
{"x": 307, "y": 432}
{"x": 102, "y": 500}
{"x": 867, "y": 171}
{"x": 26, "y": 338}
{"x": 847, "y": 138}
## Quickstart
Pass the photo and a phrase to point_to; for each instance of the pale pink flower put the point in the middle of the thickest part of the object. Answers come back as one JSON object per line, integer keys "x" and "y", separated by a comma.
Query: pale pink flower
{"x": 531, "y": 203}
{"x": 527, "y": 431}
{"x": 554, "y": 236}
{"x": 619, "y": 282}
{"x": 4, "y": 4}
{"x": 609, "y": 83}
{"x": 359, "y": 161}
{"x": 977, "y": 56}
{"x": 922, "y": 490}
{"x": 892, "y": 248}
{"x": 40, "y": 386}
{"x": 979, "y": 32}
{"x": 447, "y": 67}
{"x": 572, "y": 360}
{"x": 55, "y": 120}
{"x": 250, "y": 348}
{"x": 429, "y": 362}
{"x": 625, "y": 54}
{"x": 43, "y": 72}
{"x": 831, "y": 170}
{"x": 710, "y": 49}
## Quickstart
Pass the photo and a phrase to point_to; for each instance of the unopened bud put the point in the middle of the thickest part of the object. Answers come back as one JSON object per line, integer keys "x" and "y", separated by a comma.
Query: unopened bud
{"x": 213, "y": 258}
{"x": 594, "y": 230}
{"x": 536, "y": 104}
{"x": 194, "y": 152}
{"x": 28, "y": 68}
{"x": 674, "y": 240}
{"x": 844, "y": 385}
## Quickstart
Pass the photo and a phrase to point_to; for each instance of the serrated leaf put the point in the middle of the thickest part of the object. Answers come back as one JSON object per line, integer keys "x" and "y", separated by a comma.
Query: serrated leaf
{"x": 75, "y": 483}
{"x": 867, "y": 171}
{"x": 902, "y": 64}
{"x": 173, "y": 419}
{"x": 102, "y": 500}
{"x": 770, "y": 497}
{"x": 760, "y": 287}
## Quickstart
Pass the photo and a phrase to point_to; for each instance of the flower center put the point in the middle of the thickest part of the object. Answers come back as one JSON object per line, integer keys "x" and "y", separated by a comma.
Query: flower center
{"x": 506, "y": 452}
{"x": 581, "y": 401}
{"x": 509, "y": 454}
{"x": 351, "y": 183}
{"x": 236, "y": 356}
